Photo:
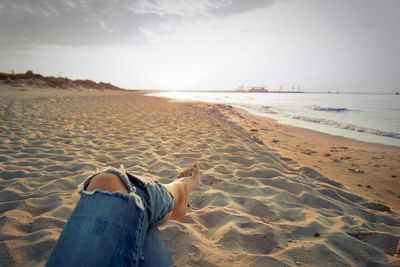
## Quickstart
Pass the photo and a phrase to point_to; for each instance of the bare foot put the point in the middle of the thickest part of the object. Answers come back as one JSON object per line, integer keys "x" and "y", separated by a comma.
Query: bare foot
{"x": 186, "y": 182}
{"x": 190, "y": 180}
{"x": 193, "y": 173}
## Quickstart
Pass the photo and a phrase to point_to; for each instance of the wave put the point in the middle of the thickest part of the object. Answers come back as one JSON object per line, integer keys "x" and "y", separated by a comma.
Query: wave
{"x": 318, "y": 108}
{"x": 332, "y": 123}
{"x": 263, "y": 109}
{"x": 347, "y": 126}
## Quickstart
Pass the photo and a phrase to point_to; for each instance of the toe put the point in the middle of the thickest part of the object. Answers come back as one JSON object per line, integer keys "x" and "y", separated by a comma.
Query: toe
{"x": 195, "y": 170}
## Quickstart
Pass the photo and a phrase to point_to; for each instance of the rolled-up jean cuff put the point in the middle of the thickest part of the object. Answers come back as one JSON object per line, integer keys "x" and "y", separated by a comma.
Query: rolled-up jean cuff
{"x": 168, "y": 201}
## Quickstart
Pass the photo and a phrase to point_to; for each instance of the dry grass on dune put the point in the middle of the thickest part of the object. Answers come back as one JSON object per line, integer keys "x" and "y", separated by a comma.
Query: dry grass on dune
{"x": 30, "y": 79}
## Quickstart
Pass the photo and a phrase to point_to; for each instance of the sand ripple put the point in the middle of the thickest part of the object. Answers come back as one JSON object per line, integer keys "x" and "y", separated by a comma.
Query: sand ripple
{"x": 253, "y": 206}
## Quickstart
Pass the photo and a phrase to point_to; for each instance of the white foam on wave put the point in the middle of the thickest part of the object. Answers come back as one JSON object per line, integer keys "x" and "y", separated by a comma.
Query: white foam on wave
{"x": 327, "y": 122}
{"x": 347, "y": 126}
{"x": 325, "y": 125}
{"x": 318, "y": 108}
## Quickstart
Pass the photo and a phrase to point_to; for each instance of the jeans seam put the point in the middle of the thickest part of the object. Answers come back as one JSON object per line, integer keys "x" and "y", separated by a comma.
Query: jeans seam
{"x": 141, "y": 238}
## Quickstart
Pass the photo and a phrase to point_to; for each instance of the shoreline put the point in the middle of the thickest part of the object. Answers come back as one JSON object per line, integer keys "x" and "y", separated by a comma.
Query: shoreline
{"x": 315, "y": 122}
{"x": 367, "y": 169}
{"x": 342, "y": 159}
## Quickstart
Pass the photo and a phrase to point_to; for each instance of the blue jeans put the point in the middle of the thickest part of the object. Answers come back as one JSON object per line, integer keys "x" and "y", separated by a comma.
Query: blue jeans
{"x": 112, "y": 228}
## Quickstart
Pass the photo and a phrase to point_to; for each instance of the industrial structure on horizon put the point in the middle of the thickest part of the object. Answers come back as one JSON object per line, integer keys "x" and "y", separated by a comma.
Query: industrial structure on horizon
{"x": 263, "y": 89}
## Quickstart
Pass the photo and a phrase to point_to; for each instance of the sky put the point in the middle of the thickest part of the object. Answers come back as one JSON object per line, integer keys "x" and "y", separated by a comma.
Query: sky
{"x": 317, "y": 45}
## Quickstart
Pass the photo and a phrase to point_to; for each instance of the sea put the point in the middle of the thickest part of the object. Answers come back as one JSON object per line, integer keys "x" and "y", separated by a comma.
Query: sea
{"x": 365, "y": 117}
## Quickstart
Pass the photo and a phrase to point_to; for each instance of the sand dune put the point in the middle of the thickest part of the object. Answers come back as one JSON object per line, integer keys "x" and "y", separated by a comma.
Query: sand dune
{"x": 254, "y": 207}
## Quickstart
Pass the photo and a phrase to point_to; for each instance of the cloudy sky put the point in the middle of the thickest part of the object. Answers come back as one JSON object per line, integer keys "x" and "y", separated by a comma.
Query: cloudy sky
{"x": 320, "y": 45}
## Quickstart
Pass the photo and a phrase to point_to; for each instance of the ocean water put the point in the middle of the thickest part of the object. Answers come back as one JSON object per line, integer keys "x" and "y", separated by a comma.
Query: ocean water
{"x": 365, "y": 117}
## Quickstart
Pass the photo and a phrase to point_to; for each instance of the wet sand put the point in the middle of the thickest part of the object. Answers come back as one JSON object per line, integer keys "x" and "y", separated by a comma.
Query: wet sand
{"x": 263, "y": 200}
{"x": 368, "y": 169}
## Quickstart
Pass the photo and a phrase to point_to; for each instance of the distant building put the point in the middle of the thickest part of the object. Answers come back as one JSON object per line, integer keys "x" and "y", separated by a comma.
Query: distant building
{"x": 258, "y": 89}
{"x": 252, "y": 89}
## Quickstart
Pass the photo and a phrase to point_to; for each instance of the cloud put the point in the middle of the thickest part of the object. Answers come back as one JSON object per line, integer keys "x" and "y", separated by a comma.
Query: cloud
{"x": 103, "y": 22}
{"x": 69, "y": 22}
{"x": 186, "y": 8}
{"x": 234, "y": 7}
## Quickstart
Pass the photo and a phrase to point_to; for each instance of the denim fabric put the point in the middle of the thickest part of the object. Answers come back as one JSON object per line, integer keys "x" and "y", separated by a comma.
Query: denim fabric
{"x": 112, "y": 228}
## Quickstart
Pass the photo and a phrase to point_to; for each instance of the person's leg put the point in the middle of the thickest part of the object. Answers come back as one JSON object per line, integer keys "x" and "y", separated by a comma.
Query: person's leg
{"x": 110, "y": 221}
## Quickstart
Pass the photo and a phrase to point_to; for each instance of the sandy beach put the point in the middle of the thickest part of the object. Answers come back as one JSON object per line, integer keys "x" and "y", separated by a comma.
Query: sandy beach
{"x": 270, "y": 194}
